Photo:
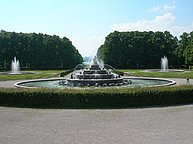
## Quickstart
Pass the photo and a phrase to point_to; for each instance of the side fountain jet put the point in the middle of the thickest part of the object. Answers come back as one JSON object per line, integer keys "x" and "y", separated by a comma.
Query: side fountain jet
{"x": 15, "y": 66}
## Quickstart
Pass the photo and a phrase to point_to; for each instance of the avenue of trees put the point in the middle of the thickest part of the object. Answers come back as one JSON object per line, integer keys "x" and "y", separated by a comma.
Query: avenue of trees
{"x": 121, "y": 50}
{"x": 37, "y": 51}
{"x": 145, "y": 49}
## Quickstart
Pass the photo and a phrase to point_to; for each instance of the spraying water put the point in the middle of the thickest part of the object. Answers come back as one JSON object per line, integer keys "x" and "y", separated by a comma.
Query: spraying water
{"x": 164, "y": 64}
{"x": 96, "y": 61}
{"x": 15, "y": 66}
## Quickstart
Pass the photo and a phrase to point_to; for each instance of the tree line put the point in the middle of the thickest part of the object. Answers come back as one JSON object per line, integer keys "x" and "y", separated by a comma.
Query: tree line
{"x": 37, "y": 51}
{"x": 145, "y": 49}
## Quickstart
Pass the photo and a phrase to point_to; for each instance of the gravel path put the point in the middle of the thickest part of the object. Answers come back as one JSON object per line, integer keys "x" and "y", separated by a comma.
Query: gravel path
{"x": 170, "y": 125}
{"x": 8, "y": 84}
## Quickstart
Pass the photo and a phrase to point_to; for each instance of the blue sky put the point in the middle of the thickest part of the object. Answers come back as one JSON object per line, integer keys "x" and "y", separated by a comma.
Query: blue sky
{"x": 87, "y": 22}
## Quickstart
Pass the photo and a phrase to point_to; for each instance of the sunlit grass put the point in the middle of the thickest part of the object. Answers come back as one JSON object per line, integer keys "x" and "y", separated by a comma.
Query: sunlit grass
{"x": 37, "y": 75}
{"x": 142, "y": 73}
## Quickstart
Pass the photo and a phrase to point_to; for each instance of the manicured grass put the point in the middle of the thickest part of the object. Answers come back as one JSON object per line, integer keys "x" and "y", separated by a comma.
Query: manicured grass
{"x": 38, "y": 74}
{"x": 142, "y": 73}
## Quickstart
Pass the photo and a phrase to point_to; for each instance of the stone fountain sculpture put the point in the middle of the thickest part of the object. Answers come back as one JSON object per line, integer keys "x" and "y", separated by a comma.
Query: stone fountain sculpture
{"x": 94, "y": 76}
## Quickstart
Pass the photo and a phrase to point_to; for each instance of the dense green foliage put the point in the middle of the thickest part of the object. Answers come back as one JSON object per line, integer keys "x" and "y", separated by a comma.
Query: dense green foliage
{"x": 145, "y": 49}
{"x": 190, "y": 67}
{"x": 37, "y": 51}
{"x": 184, "y": 51}
{"x": 96, "y": 98}
{"x": 62, "y": 74}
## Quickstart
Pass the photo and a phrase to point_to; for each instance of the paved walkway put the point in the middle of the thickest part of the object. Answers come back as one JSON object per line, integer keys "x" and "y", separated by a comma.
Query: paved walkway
{"x": 8, "y": 84}
{"x": 170, "y": 125}
{"x": 180, "y": 81}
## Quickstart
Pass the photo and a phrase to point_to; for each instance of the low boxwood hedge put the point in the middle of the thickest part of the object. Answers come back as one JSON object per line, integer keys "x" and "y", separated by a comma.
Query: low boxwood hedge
{"x": 62, "y": 74}
{"x": 96, "y": 98}
{"x": 190, "y": 67}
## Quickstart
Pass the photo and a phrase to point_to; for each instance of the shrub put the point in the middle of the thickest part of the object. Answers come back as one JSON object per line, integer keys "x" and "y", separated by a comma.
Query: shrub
{"x": 190, "y": 67}
{"x": 119, "y": 73}
{"x": 62, "y": 74}
{"x": 96, "y": 98}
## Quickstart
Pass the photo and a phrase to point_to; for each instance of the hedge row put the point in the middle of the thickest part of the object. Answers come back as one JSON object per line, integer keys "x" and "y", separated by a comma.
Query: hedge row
{"x": 190, "y": 67}
{"x": 62, "y": 74}
{"x": 96, "y": 98}
{"x": 119, "y": 73}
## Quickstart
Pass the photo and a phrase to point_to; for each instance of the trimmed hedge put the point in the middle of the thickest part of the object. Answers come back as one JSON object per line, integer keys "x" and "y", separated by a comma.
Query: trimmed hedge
{"x": 119, "y": 73}
{"x": 62, "y": 74}
{"x": 96, "y": 98}
{"x": 190, "y": 67}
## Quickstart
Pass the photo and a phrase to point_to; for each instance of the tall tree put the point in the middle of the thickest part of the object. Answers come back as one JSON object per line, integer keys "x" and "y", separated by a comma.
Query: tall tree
{"x": 180, "y": 51}
{"x": 137, "y": 49}
{"x": 37, "y": 51}
{"x": 188, "y": 52}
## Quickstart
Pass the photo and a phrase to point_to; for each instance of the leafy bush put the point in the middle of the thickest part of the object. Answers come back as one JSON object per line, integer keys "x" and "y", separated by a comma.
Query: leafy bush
{"x": 62, "y": 74}
{"x": 190, "y": 67}
{"x": 119, "y": 73}
{"x": 96, "y": 98}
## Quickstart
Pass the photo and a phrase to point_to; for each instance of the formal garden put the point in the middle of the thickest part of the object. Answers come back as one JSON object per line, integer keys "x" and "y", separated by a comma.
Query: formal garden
{"x": 131, "y": 53}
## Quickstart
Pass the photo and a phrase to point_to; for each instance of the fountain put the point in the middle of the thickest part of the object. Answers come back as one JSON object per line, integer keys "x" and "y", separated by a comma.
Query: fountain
{"x": 95, "y": 75}
{"x": 15, "y": 69}
{"x": 15, "y": 66}
{"x": 164, "y": 67}
{"x": 164, "y": 64}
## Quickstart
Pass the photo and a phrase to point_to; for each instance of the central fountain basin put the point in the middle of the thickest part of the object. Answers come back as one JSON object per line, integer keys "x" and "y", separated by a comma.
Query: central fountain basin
{"x": 63, "y": 83}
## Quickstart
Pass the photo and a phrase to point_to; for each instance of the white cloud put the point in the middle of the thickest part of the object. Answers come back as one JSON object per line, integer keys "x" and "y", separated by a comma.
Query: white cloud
{"x": 155, "y": 9}
{"x": 169, "y": 7}
{"x": 146, "y": 25}
{"x": 163, "y": 8}
{"x": 159, "y": 23}
{"x": 167, "y": 17}
{"x": 178, "y": 30}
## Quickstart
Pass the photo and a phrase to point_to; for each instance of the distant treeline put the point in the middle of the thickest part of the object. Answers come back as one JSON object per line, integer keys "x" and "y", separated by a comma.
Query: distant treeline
{"x": 144, "y": 49}
{"x": 37, "y": 51}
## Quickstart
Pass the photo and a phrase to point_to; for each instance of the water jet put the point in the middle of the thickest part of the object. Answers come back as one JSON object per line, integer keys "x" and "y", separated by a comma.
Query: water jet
{"x": 95, "y": 76}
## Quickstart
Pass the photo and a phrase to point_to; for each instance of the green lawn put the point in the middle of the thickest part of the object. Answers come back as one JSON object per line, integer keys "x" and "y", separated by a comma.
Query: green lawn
{"x": 38, "y": 74}
{"x": 142, "y": 73}
{"x": 54, "y": 73}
